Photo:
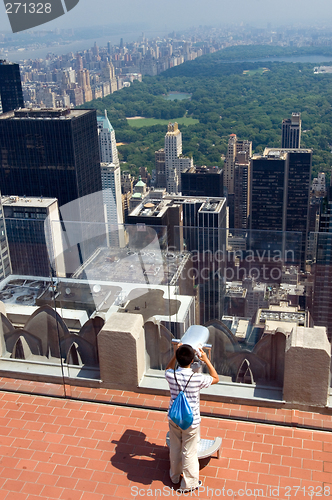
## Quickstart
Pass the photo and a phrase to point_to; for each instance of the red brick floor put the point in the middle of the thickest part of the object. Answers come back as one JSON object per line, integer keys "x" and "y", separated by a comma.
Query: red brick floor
{"x": 258, "y": 414}
{"x": 77, "y": 450}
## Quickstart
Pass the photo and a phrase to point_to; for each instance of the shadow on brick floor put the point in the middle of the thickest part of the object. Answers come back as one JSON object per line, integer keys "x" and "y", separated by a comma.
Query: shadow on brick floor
{"x": 142, "y": 461}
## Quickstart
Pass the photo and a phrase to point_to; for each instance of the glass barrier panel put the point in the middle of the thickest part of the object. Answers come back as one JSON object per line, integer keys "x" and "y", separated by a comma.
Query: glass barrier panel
{"x": 319, "y": 280}
{"x": 62, "y": 281}
{"x": 30, "y": 358}
{"x": 101, "y": 271}
{"x": 250, "y": 289}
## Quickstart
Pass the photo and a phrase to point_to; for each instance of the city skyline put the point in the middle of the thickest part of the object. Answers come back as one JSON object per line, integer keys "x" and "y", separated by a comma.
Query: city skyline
{"x": 94, "y": 70}
{"x": 146, "y": 14}
{"x": 95, "y": 293}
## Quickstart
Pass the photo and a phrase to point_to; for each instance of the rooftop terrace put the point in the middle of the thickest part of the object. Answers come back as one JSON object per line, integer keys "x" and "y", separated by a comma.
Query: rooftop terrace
{"x": 114, "y": 447}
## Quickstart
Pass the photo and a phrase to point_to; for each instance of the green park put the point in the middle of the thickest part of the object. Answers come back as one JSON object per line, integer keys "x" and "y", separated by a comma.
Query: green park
{"x": 229, "y": 93}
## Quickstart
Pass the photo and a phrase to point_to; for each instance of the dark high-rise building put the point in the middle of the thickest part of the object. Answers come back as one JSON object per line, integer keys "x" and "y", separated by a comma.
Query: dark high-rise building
{"x": 202, "y": 181}
{"x": 267, "y": 191}
{"x": 55, "y": 154}
{"x": 51, "y": 153}
{"x": 211, "y": 224}
{"x": 298, "y": 192}
{"x": 280, "y": 188}
{"x": 198, "y": 225}
{"x": 291, "y": 132}
{"x": 28, "y": 234}
{"x": 164, "y": 216}
{"x": 241, "y": 191}
{"x": 11, "y": 94}
{"x": 322, "y": 268}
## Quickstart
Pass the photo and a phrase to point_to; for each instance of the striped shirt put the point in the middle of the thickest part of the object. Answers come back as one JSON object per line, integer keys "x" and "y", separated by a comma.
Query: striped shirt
{"x": 198, "y": 381}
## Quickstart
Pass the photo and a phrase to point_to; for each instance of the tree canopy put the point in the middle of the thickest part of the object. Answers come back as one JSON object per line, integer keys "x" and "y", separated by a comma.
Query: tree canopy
{"x": 225, "y": 101}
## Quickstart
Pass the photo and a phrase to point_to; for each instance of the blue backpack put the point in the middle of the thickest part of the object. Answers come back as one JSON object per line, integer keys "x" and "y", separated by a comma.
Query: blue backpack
{"x": 181, "y": 412}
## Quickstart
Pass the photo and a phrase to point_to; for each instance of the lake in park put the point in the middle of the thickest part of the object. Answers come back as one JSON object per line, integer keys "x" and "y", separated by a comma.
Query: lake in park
{"x": 180, "y": 96}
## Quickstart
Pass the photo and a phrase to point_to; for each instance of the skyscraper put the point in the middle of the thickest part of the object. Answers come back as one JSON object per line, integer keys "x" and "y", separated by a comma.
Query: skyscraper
{"x": 111, "y": 181}
{"x": 83, "y": 80}
{"x": 11, "y": 94}
{"x": 159, "y": 157}
{"x": 280, "y": 188}
{"x": 112, "y": 198}
{"x": 108, "y": 74}
{"x": 27, "y": 234}
{"x": 202, "y": 181}
{"x": 291, "y": 132}
{"x": 268, "y": 184}
{"x": 241, "y": 191}
{"x": 234, "y": 147}
{"x": 322, "y": 267}
{"x": 107, "y": 142}
{"x": 175, "y": 163}
{"x": 199, "y": 226}
{"x": 53, "y": 153}
{"x": 173, "y": 149}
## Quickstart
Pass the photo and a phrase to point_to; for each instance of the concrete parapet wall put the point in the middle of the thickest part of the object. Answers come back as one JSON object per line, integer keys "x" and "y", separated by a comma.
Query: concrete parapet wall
{"x": 121, "y": 347}
{"x": 307, "y": 367}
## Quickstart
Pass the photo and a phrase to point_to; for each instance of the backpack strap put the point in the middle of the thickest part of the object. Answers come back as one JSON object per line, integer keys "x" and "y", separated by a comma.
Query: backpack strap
{"x": 179, "y": 384}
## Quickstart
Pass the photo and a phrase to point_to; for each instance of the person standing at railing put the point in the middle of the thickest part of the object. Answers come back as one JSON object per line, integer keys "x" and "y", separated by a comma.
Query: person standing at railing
{"x": 184, "y": 443}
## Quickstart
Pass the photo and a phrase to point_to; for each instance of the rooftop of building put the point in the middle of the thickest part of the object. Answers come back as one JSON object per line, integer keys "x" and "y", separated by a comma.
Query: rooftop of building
{"x": 137, "y": 195}
{"x": 109, "y": 166}
{"x": 156, "y": 206}
{"x": 258, "y": 286}
{"x": 235, "y": 289}
{"x": 4, "y": 62}
{"x": 193, "y": 199}
{"x": 104, "y": 122}
{"x": 279, "y": 314}
{"x": 280, "y": 152}
{"x": 150, "y": 291}
{"x": 271, "y": 155}
{"x": 134, "y": 265}
{"x": 44, "y": 114}
{"x": 203, "y": 170}
{"x": 151, "y": 208}
{"x": 27, "y": 202}
{"x": 140, "y": 183}
{"x": 212, "y": 206}
{"x": 173, "y": 129}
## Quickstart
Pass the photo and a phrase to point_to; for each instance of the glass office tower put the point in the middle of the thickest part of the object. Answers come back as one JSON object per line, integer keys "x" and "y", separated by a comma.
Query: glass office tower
{"x": 52, "y": 153}
{"x": 11, "y": 94}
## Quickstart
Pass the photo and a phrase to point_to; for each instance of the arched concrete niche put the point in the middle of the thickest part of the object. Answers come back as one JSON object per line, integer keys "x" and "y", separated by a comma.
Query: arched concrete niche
{"x": 158, "y": 343}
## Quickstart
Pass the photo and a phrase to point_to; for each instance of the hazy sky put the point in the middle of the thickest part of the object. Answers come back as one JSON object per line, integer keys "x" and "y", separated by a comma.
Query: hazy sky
{"x": 176, "y": 14}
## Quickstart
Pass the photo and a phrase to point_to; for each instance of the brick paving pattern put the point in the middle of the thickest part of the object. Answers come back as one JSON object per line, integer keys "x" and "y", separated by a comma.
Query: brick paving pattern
{"x": 58, "y": 448}
{"x": 321, "y": 421}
